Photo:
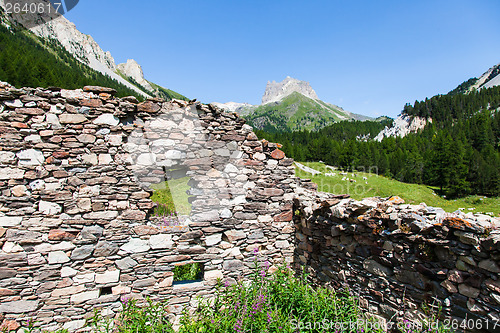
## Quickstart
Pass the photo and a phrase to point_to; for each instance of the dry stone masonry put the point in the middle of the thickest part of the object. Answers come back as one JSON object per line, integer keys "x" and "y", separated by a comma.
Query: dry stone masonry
{"x": 76, "y": 231}
{"x": 399, "y": 257}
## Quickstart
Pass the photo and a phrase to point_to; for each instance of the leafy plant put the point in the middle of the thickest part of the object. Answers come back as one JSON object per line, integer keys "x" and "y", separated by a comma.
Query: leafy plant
{"x": 163, "y": 210}
{"x": 277, "y": 302}
{"x": 135, "y": 319}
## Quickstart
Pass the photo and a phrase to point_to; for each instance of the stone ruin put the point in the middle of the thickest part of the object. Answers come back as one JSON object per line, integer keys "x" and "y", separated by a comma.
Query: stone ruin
{"x": 77, "y": 230}
{"x": 400, "y": 259}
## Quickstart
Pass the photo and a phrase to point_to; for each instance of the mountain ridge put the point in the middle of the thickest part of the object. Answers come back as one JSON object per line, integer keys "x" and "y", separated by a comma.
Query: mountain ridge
{"x": 407, "y": 123}
{"x": 276, "y": 91}
{"x": 290, "y": 105}
{"x": 490, "y": 78}
{"x": 87, "y": 51}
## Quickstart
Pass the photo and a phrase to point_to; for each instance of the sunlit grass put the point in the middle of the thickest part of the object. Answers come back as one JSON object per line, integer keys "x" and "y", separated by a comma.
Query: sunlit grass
{"x": 173, "y": 194}
{"x": 381, "y": 186}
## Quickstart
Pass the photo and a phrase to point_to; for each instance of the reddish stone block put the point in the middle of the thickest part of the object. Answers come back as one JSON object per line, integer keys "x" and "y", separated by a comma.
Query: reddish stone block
{"x": 60, "y": 154}
{"x": 60, "y": 174}
{"x": 91, "y": 103}
{"x": 148, "y": 106}
{"x": 142, "y": 230}
{"x": 60, "y": 235}
{"x": 30, "y": 111}
{"x": 284, "y": 217}
{"x": 6, "y": 292}
{"x": 278, "y": 154}
{"x": 19, "y": 125}
{"x": 9, "y": 325}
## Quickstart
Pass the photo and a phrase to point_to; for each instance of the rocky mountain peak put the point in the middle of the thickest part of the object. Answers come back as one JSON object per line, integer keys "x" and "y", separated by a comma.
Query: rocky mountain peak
{"x": 276, "y": 91}
{"x": 490, "y": 78}
{"x": 132, "y": 69}
{"x": 83, "y": 47}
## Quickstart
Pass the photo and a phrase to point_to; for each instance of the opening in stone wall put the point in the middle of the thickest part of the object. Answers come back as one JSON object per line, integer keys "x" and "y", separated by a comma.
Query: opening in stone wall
{"x": 172, "y": 198}
{"x": 186, "y": 273}
{"x": 194, "y": 175}
{"x": 106, "y": 291}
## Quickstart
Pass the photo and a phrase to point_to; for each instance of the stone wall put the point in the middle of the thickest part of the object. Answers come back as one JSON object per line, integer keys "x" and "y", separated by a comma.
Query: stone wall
{"x": 398, "y": 257}
{"x": 76, "y": 230}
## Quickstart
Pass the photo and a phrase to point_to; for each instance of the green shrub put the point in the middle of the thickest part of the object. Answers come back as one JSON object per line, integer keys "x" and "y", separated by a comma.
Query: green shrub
{"x": 278, "y": 302}
{"x": 151, "y": 318}
{"x": 272, "y": 303}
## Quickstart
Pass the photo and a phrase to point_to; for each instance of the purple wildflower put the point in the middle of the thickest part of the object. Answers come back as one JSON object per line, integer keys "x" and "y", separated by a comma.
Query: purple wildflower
{"x": 125, "y": 299}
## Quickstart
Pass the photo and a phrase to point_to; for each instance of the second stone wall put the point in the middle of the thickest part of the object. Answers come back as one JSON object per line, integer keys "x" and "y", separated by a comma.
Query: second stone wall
{"x": 401, "y": 258}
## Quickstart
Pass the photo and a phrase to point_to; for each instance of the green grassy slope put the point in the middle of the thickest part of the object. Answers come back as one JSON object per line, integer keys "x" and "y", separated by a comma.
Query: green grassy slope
{"x": 294, "y": 112}
{"x": 385, "y": 187}
{"x": 159, "y": 91}
{"x": 167, "y": 94}
{"x": 173, "y": 194}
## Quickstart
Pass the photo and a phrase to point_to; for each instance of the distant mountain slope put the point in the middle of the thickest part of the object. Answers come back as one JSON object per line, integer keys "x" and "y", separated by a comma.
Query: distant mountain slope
{"x": 490, "y": 78}
{"x": 290, "y": 105}
{"x": 276, "y": 91}
{"x": 27, "y": 60}
{"x": 469, "y": 98}
{"x": 84, "y": 49}
{"x": 295, "y": 112}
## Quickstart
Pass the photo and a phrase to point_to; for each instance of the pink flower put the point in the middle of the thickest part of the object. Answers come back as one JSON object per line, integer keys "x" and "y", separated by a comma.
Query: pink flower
{"x": 125, "y": 299}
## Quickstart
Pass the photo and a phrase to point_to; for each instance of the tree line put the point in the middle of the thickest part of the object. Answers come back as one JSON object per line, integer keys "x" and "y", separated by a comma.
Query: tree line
{"x": 459, "y": 152}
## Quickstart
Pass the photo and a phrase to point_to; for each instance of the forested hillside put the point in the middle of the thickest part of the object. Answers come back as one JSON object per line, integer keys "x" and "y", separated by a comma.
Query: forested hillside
{"x": 29, "y": 61}
{"x": 459, "y": 152}
{"x": 322, "y": 144}
{"x": 447, "y": 109}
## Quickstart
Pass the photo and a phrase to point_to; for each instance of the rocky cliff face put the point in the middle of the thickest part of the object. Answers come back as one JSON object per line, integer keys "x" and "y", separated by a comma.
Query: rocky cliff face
{"x": 132, "y": 69}
{"x": 489, "y": 79}
{"x": 82, "y": 47}
{"x": 276, "y": 91}
{"x": 86, "y": 50}
{"x": 402, "y": 126}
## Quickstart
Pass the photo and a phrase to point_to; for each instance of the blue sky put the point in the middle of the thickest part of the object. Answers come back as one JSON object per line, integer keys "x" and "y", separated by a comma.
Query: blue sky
{"x": 370, "y": 57}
